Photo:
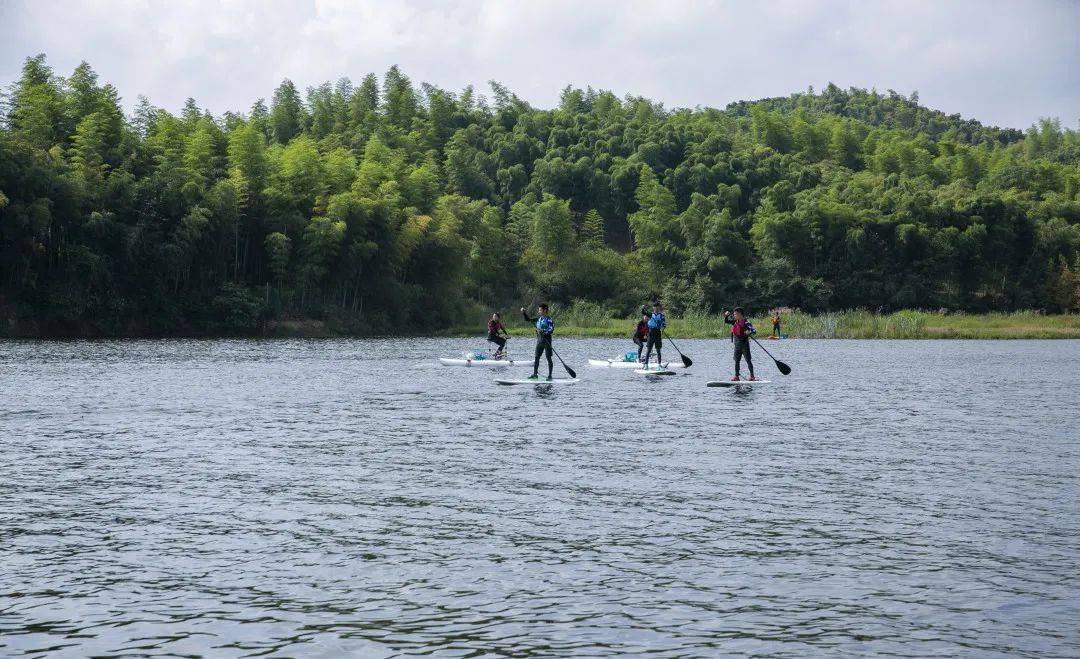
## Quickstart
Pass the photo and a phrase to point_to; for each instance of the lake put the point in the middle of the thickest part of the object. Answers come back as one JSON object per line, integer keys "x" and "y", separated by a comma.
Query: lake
{"x": 352, "y": 497}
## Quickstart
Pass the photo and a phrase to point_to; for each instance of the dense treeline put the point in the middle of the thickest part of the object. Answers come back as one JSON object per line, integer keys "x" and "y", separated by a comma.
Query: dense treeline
{"x": 387, "y": 206}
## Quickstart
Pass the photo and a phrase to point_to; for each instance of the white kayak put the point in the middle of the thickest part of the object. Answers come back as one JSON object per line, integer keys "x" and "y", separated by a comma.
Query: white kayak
{"x": 735, "y": 383}
{"x": 654, "y": 371}
{"x": 618, "y": 363}
{"x": 537, "y": 381}
{"x": 488, "y": 363}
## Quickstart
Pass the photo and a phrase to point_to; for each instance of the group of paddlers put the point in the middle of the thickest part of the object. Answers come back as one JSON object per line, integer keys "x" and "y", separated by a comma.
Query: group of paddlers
{"x": 648, "y": 335}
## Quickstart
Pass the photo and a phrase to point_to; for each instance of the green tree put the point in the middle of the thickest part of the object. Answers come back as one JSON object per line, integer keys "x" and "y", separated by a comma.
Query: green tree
{"x": 287, "y": 114}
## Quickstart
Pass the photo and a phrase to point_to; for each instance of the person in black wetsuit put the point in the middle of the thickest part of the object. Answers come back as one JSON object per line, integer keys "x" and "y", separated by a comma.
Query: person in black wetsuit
{"x": 657, "y": 322}
{"x": 497, "y": 335}
{"x": 641, "y": 333}
{"x": 741, "y": 331}
{"x": 545, "y": 327}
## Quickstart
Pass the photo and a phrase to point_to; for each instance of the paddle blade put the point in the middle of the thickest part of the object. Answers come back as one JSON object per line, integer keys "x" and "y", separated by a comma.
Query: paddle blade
{"x": 574, "y": 375}
{"x": 686, "y": 361}
{"x": 784, "y": 368}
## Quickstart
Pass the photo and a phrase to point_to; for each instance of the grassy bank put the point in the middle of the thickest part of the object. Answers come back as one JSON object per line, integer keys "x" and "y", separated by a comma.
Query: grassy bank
{"x": 839, "y": 325}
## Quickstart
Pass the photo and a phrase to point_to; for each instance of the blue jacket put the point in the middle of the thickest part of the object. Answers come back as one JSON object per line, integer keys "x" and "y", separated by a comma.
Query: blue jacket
{"x": 545, "y": 326}
{"x": 657, "y": 321}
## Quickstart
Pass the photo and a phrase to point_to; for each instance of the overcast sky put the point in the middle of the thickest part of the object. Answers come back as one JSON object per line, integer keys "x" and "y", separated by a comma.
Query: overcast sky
{"x": 1005, "y": 63}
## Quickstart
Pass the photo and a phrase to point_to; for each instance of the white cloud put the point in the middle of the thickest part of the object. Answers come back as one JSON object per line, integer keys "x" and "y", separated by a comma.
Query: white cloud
{"x": 1000, "y": 62}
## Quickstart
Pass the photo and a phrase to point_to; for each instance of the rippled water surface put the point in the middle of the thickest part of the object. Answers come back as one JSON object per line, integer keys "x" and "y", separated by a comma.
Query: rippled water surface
{"x": 347, "y": 497}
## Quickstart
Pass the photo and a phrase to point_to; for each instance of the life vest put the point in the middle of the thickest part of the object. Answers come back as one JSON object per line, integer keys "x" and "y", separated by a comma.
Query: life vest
{"x": 642, "y": 331}
{"x": 545, "y": 326}
{"x": 657, "y": 321}
{"x": 742, "y": 329}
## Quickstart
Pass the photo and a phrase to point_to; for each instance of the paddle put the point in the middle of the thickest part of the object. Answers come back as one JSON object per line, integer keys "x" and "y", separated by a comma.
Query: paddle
{"x": 784, "y": 368}
{"x": 687, "y": 362}
{"x": 568, "y": 369}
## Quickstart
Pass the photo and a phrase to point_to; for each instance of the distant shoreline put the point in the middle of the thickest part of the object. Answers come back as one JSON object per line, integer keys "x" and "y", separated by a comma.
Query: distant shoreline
{"x": 838, "y": 325}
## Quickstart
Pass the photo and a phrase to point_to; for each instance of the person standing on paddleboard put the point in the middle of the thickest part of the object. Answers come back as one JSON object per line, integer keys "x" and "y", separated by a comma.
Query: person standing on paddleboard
{"x": 776, "y": 325}
{"x": 641, "y": 333}
{"x": 545, "y": 327}
{"x": 741, "y": 331}
{"x": 657, "y": 322}
{"x": 495, "y": 329}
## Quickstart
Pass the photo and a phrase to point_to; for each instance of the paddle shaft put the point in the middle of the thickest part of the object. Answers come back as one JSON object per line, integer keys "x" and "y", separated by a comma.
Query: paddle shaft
{"x": 686, "y": 360}
{"x": 568, "y": 369}
{"x": 784, "y": 368}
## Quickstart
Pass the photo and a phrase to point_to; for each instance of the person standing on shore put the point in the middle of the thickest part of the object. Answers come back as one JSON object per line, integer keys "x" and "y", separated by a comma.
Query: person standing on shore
{"x": 776, "y": 325}
{"x": 545, "y": 327}
{"x": 741, "y": 331}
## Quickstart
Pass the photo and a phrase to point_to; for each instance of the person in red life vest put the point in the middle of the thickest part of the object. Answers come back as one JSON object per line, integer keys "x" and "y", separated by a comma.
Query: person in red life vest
{"x": 741, "y": 331}
{"x": 497, "y": 334}
{"x": 641, "y": 334}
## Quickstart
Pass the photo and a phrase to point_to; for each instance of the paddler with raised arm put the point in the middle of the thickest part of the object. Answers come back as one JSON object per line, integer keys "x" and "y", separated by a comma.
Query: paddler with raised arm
{"x": 657, "y": 322}
{"x": 741, "y": 331}
{"x": 545, "y": 327}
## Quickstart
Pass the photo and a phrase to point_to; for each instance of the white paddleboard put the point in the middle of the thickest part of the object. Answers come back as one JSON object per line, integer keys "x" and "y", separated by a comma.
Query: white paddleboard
{"x": 735, "y": 383}
{"x": 618, "y": 363}
{"x": 488, "y": 363}
{"x": 654, "y": 371}
{"x": 537, "y": 381}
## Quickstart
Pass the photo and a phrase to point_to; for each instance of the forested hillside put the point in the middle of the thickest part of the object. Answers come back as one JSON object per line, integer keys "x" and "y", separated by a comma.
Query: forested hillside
{"x": 389, "y": 206}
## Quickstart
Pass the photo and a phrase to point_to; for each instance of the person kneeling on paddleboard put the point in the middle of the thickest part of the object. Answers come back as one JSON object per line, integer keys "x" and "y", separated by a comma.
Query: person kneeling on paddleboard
{"x": 495, "y": 329}
{"x": 545, "y": 327}
{"x": 741, "y": 331}
{"x": 641, "y": 332}
{"x": 657, "y": 322}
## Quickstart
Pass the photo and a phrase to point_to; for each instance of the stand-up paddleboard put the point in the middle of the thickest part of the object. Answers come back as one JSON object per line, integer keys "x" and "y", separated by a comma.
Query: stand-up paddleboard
{"x": 735, "y": 383}
{"x": 489, "y": 363}
{"x": 618, "y": 363}
{"x": 513, "y": 381}
{"x": 654, "y": 371}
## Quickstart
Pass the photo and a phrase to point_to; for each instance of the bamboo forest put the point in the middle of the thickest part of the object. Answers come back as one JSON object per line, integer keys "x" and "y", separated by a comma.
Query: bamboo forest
{"x": 389, "y": 206}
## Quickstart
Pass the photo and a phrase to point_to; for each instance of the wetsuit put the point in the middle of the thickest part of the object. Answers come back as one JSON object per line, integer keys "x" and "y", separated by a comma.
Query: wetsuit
{"x": 657, "y": 323}
{"x": 741, "y": 331}
{"x": 545, "y": 327}
{"x": 641, "y": 335}
{"x": 494, "y": 329}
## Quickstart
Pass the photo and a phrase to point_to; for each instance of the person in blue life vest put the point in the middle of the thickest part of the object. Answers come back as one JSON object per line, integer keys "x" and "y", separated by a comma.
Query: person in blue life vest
{"x": 497, "y": 334}
{"x": 741, "y": 331}
{"x": 657, "y": 322}
{"x": 545, "y": 327}
{"x": 641, "y": 333}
